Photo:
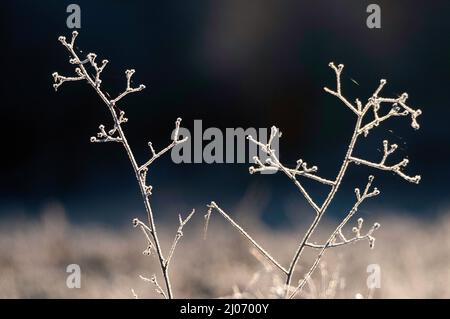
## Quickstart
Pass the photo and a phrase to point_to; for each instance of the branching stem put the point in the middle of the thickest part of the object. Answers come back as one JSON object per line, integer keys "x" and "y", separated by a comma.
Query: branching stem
{"x": 399, "y": 108}
{"x": 117, "y": 135}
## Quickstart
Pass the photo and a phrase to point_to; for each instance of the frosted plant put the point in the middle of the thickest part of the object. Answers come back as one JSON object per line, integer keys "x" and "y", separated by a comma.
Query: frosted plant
{"x": 398, "y": 108}
{"x": 116, "y": 134}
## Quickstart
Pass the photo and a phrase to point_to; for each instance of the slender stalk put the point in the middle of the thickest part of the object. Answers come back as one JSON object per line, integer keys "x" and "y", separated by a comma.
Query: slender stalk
{"x": 135, "y": 167}
{"x": 338, "y": 230}
{"x": 213, "y": 205}
{"x": 399, "y": 108}
{"x": 139, "y": 171}
{"x": 324, "y": 206}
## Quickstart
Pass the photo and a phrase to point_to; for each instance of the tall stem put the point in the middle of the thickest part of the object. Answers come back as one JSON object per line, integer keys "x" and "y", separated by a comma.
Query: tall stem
{"x": 325, "y": 204}
{"x": 151, "y": 221}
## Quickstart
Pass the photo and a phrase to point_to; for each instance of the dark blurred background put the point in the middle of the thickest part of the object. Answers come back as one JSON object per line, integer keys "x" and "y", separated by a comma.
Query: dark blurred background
{"x": 231, "y": 64}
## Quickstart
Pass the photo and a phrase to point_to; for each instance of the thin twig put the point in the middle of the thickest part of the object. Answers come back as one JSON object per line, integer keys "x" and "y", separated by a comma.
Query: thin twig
{"x": 214, "y": 206}
{"x": 153, "y": 281}
{"x": 359, "y": 199}
{"x": 178, "y": 236}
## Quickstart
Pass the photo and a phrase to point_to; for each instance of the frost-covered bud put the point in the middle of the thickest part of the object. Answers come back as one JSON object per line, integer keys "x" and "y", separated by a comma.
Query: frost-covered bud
{"x": 147, "y": 251}
{"x": 416, "y": 179}
{"x": 375, "y": 192}
{"x": 405, "y": 162}
{"x": 371, "y": 242}
{"x": 358, "y": 194}
{"x": 360, "y": 222}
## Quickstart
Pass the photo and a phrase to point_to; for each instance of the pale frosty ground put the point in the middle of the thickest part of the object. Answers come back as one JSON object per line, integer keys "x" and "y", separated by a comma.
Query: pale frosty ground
{"x": 414, "y": 257}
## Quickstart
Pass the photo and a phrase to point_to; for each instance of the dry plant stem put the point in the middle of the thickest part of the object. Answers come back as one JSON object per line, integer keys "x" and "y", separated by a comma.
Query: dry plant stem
{"x": 153, "y": 281}
{"x": 338, "y": 230}
{"x": 399, "y": 108}
{"x": 140, "y": 171}
{"x": 374, "y": 102}
{"x": 178, "y": 236}
{"x": 213, "y": 205}
{"x": 324, "y": 207}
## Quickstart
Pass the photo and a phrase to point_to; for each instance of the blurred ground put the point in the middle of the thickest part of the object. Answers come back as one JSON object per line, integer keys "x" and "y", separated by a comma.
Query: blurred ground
{"x": 414, "y": 257}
